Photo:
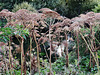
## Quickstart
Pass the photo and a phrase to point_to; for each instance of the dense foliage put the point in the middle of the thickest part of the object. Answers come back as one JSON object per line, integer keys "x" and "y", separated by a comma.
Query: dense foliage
{"x": 24, "y": 5}
{"x": 97, "y": 8}
{"x": 68, "y": 8}
{"x": 77, "y": 7}
{"x": 9, "y": 4}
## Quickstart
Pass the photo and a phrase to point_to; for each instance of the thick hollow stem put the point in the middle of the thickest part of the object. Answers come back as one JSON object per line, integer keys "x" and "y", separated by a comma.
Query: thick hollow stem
{"x": 90, "y": 61}
{"x": 22, "y": 55}
{"x": 67, "y": 58}
{"x": 37, "y": 54}
{"x": 78, "y": 47}
{"x": 50, "y": 49}
{"x": 10, "y": 55}
{"x": 30, "y": 53}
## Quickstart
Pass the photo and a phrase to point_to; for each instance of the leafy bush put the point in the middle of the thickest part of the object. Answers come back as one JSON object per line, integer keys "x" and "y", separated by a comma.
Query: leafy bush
{"x": 88, "y": 5}
{"x": 9, "y": 4}
{"x": 24, "y": 5}
{"x": 76, "y": 7}
{"x": 59, "y": 67}
{"x": 58, "y": 5}
{"x": 69, "y": 8}
{"x": 1, "y": 5}
{"x": 97, "y": 8}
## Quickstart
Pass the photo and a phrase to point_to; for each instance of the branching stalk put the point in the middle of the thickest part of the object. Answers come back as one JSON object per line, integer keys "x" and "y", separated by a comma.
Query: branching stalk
{"x": 90, "y": 50}
{"x": 50, "y": 46}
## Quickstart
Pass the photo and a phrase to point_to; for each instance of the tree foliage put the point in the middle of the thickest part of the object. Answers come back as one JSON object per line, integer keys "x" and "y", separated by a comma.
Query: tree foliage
{"x": 24, "y": 5}
{"x": 97, "y": 8}
{"x": 9, "y": 4}
{"x": 76, "y": 7}
{"x": 68, "y": 8}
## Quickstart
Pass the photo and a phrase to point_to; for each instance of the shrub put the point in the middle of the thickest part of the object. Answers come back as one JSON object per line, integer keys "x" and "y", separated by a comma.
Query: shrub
{"x": 9, "y": 4}
{"x": 76, "y": 7}
{"x": 88, "y": 5}
{"x": 24, "y": 5}
{"x": 1, "y": 5}
{"x": 68, "y": 8}
{"x": 97, "y": 8}
{"x": 58, "y": 5}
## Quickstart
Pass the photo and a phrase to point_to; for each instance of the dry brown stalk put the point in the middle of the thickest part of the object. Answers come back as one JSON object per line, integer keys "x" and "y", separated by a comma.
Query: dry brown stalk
{"x": 50, "y": 48}
{"x": 22, "y": 55}
{"x": 67, "y": 58}
{"x": 38, "y": 59}
{"x": 77, "y": 33}
{"x": 90, "y": 61}
{"x": 30, "y": 52}
{"x": 90, "y": 50}
{"x": 10, "y": 56}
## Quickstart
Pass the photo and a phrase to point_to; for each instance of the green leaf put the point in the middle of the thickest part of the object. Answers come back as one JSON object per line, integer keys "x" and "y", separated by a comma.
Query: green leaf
{"x": 24, "y": 36}
{"x": 98, "y": 73}
{"x": 26, "y": 31}
{"x": 5, "y": 39}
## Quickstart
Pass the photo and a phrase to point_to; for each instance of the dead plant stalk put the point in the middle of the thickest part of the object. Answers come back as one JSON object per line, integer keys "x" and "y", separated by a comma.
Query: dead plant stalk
{"x": 67, "y": 58}
{"x": 22, "y": 55}
{"x": 37, "y": 53}
{"x": 10, "y": 55}
{"x": 90, "y": 50}
{"x": 77, "y": 33}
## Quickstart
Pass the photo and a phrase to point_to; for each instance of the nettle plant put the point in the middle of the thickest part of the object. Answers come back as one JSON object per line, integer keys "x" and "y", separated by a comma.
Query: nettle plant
{"x": 48, "y": 32}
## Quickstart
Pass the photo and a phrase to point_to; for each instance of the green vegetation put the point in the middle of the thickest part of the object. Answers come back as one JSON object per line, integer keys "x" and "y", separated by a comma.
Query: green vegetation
{"x": 24, "y": 5}
{"x": 97, "y": 8}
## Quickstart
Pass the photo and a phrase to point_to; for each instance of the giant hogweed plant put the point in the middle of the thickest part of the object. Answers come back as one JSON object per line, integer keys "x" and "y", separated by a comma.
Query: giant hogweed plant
{"x": 43, "y": 26}
{"x": 24, "y": 17}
